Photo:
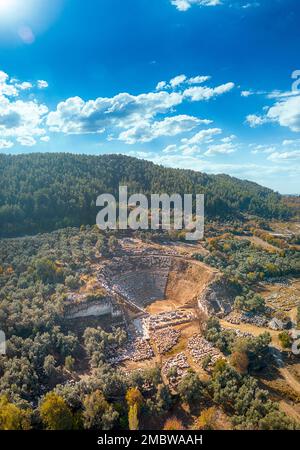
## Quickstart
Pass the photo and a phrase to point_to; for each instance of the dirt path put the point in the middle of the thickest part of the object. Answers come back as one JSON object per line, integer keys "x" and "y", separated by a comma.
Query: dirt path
{"x": 289, "y": 409}
{"x": 253, "y": 329}
{"x": 259, "y": 242}
{"x": 290, "y": 379}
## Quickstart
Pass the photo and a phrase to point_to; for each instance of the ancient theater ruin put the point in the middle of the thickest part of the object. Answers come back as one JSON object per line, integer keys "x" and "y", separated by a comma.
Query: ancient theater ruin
{"x": 157, "y": 293}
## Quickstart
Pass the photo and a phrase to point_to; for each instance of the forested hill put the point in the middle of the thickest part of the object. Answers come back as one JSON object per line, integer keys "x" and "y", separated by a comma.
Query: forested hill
{"x": 45, "y": 191}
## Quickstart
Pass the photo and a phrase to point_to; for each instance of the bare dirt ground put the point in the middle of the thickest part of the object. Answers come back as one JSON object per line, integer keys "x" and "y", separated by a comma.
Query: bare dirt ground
{"x": 253, "y": 329}
{"x": 258, "y": 242}
{"x": 286, "y": 228}
{"x": 186, "y": 280}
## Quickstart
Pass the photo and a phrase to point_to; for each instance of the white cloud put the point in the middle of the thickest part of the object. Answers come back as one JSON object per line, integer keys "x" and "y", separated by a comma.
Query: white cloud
{"x": 20, "y": 119}
{"x": 284, "y": 156}
{"x": 42, "y": 84}
{"x": 286, "y": 113}
{"x": 24, "y": 86}
{"x": 198, "y": 79}
{"x": 126, "y": 117}
{"x": 170, "y": 126}
{"x": 291, "y": 142}
{"x": 202, "y": 144}
{"x": 190, "y": 149}
{"x": 161, "y": 85}
{"x": 281, "y": 94}
{"x": 5, "y": 144}
{"x": 255, "y": 121}
{"x": 26, "y": 141}
{"x": 176, "y": 81}
{"x": 228, "y": 139}
{"x": 170, "y": 149}
{"x": 224, "y": 148}
{"x": 181, "y": 79}
{"x": 184, "y": 5}
{"x": 199, "y": 93}
{"x": 263, "y": 149}
{"x": 132, "y": 117}
{"x": 75, "y": 116}
{"x": 6, "y": 88}
{"x": 258, "y": 172}
{"x": 202, "y": 136}
{"x": 251, "y": 5}
{"x": 246, "y": 93}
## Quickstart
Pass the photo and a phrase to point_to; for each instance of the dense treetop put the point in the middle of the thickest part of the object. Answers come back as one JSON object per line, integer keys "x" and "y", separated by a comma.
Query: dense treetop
{"x": 45, "y": 191}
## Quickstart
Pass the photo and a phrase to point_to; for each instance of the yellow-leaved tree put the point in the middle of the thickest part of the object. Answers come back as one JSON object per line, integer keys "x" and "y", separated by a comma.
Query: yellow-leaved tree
{"x": 55, "y": 413}
{"x": 12, "y": 417}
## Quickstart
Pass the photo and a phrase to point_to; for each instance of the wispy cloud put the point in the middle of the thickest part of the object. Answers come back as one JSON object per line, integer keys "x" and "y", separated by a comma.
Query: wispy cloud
{"x": 184, "y": 5}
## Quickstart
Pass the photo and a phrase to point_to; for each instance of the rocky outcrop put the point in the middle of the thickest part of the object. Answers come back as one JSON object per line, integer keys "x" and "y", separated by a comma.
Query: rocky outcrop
{"x": 97, "y": 307}
{"x": 217, "y": 298}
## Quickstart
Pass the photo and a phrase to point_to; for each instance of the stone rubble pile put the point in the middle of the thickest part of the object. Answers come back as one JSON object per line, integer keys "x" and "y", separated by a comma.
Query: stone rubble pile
{"x": 237, "y": 318}
{"x": 137, "y": 350}
{"x": 283, "y": 300}
{"x": 165, "y": 339}
{"x": 179, "y": 364}
{"x": 171, "y": 318}
{"x": 200, "y": 348}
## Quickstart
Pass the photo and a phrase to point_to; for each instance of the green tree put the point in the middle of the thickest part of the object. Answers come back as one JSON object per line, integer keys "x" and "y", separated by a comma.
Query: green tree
{"x": 47, "y": 271}
{"x": 69, "y": 363}
{"x": 190, "y": 388}
{"x": 285, "y": 339}
{"x": 276, "y": 420}
{"x": 50, "y": 366}
{"x": 98, "y": 413}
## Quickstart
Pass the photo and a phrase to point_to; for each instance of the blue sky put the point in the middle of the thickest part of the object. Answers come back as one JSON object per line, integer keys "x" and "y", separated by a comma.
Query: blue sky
{"x": 200, "y": 84}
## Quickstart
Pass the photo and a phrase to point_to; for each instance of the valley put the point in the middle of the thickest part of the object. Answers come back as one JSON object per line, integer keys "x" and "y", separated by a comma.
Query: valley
{"x": 159, "y": 331}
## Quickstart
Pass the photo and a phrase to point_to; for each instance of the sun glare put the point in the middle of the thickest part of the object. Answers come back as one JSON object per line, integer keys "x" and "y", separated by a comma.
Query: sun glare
{"x": 7, "y": 6}
{"x": 26, "y": 19}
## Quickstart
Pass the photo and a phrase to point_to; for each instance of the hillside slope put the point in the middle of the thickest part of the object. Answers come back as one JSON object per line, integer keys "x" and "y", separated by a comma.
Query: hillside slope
{"x": 45, "y": 191}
